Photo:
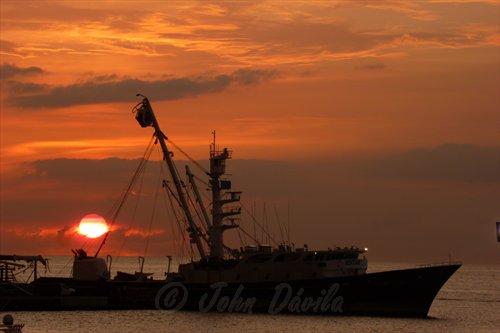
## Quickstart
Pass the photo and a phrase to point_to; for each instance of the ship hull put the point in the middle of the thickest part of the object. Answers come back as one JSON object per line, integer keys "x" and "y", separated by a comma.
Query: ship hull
{"x": 403, "y": 293}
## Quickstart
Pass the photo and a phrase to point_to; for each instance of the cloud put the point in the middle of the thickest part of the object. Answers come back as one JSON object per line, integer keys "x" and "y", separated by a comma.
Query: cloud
{"x": 22, "y": 88}
{"x": 107, "y": 90}
{"x": 384, "y": 201}
{"x": 104, "y": 171}
{"x": 248, "y": 77}
{"x": 301, "y": 39}
{"x": 8, "y": 71}
{"x": 446, "y": 162}
{"x": 256, "y": 33}
{"x": 411, "y": 9}
{"x": 462, "y": 163}
{"x": 142, "y": 233}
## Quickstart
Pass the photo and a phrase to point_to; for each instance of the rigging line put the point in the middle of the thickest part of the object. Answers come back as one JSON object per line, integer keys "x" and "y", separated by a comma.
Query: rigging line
{"x": 184, "y": 188}
{"x": 182, "y": 234}
{"x": 251, "y": 237}
{"x": 145, "y": 157}
{"x": 182, "y": 185}
{"x": 127, "y": 192}
{"x": 201, "y": 180}
{"x": 252, "y": 215}
{"x": 139, "y": 171}
{"x": 288, "y": 227}
{"x": 244, "y": 236}
{"x": 72, "y": 240}
{"x": 279, "y": 225}
{"x": 182, "y": 244}
{"x": 20, "y": 273}
{"x": 171, "y": 192}
{"x": 202, "y": 223}
{"x": 82, "y": 245}
{"x": 180, "y": 179}
{"x": 264, "y": 222}
{"x": 189, "y": 157}
{"x": 134, "y": 213}
{"x": 232, "y": 252}
{"x": 155, "y": 200}
{"x": 258, "y": 224}
{"x": 29, "y": 277}
{"x": 239, "y": 236}
{"x": 65, "y": 266}
{"x": 171, "y": 219}
{"x": 202, "y": 235}
{"x": 206, "y": 198}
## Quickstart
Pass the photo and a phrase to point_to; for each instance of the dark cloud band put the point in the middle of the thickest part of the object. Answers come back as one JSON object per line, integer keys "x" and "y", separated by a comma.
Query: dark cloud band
{"x": 99, "y": 91}
{"x": 8, "y": 71}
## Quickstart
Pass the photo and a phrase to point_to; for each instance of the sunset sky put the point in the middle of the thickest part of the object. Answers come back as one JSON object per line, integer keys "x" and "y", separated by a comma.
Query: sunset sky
{"x": 377, "y": 123}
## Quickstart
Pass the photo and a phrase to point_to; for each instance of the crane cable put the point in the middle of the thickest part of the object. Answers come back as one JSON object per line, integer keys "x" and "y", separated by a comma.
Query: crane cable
{"x": 189, "y": 157}
{"x": 264, "y": 231}
{"x": 171, "y": 194}
{"x": 138, "y": 171}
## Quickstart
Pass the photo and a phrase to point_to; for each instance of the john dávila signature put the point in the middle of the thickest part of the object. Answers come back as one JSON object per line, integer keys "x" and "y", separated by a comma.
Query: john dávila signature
{"x": 174, "y": 296}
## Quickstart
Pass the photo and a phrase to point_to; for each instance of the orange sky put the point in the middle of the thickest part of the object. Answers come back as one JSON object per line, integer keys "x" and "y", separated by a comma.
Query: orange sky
{"x": 370, "y": 89}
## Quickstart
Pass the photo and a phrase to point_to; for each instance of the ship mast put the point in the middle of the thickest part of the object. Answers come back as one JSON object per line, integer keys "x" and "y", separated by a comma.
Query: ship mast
{"x": 146, "y": 117}
{"x": 219, "y": 199}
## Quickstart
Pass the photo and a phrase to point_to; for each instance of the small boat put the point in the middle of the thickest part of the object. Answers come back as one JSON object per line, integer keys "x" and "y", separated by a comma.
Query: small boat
{"x": 254, "y": 278}
{"x": 8, "y": 325}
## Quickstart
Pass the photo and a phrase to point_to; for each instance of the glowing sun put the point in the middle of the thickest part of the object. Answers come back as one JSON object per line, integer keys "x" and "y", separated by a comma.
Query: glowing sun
{"x": 93, "y": 226}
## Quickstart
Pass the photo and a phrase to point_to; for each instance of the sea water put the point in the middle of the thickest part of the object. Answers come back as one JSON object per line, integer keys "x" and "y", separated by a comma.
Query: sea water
{"x": 468, "y": 302}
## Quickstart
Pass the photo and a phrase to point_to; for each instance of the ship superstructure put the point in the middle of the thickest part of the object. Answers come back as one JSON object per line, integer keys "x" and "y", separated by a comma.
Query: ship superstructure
{"x": 251, "y": 263}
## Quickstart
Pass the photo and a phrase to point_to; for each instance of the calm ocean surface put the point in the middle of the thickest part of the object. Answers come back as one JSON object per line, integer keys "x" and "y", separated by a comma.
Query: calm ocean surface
{"x": 468, "y": 302}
